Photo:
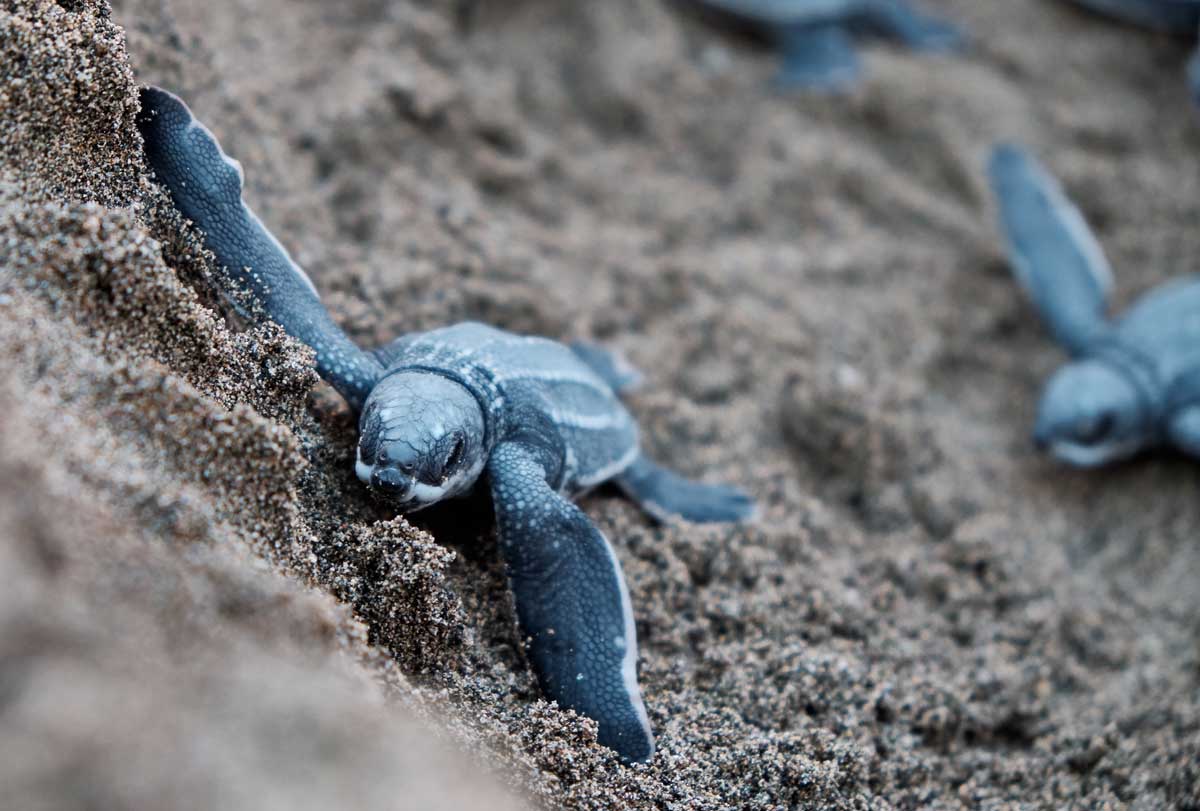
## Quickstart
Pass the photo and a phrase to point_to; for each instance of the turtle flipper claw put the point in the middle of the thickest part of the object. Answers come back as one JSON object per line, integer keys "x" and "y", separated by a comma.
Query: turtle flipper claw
{"x": 664, "y": 494}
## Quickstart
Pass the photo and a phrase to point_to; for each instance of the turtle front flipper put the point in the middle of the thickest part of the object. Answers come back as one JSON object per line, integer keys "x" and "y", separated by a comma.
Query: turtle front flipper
{"x": 816, "y": 56}
{"x": 571, "y": 601}
{"x": 664, "y": 494}
{"x": 1054, "y": 254}
{"x": 206, "y": 186}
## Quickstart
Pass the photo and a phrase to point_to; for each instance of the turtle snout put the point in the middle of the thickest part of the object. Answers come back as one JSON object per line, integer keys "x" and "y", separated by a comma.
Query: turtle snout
{"x": 392, "y": 483}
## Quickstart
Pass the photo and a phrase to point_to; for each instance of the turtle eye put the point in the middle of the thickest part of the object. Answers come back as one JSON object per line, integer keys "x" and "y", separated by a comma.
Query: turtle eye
{"x": 1092, "y": 431}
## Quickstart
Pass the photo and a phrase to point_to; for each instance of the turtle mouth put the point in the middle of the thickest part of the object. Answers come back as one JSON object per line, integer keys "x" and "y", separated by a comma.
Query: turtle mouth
{"x": 416, "y": 496}
{"x": 406, "y": 506}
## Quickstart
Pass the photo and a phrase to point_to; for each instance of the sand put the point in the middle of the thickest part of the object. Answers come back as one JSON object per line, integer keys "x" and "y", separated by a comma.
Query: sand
{"x": 203, "y": 608}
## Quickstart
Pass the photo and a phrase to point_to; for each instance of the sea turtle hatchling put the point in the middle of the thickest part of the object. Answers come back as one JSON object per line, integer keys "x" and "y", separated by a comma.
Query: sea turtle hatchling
{"x": 537, "y": 420}
{"x": 1180, "y": 17}
{"x": 816, "y": 37}
{"x": 1132, "y": 383}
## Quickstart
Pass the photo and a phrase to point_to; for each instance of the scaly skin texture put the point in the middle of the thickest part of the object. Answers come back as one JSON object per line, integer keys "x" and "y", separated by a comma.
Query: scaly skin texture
{"x": 439, "y": 408}
{"x": 1134, "y": 383}
{"x": 572, "y": 601}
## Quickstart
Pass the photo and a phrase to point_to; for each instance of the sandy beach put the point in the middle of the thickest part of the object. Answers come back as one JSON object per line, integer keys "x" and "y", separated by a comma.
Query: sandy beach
{"x": 202, "y": 606}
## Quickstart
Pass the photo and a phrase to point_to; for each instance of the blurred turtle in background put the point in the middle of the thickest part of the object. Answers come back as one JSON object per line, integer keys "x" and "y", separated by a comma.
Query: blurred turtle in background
{"x": 817, "y": 37}
{"x": 1133, "y": 382}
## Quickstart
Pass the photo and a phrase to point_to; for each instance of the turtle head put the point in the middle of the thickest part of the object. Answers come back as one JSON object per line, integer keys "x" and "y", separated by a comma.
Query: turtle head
{"x": 421, "y": 439}
{"x": 1091, "y": 414}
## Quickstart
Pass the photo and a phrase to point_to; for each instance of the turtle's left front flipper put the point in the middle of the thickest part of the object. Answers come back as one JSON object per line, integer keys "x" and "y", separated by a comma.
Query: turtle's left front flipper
{"x": 1054, "y": 254}
{"x": 571, "y": 601}
{"x": 206, "y": 186}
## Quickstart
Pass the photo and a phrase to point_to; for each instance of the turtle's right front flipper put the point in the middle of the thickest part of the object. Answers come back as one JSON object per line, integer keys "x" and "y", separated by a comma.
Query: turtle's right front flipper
{"x": 571, "y": 602}
{"x": 1054, "y": 254}
{"x": 206, "y": 186}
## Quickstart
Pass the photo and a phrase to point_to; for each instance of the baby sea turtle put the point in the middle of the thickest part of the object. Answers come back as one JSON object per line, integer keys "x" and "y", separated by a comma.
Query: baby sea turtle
{"x": 815, "y": 37}
{"x": 537, "y": 420}
{"x": 1180, "y": 17}
{"x": 1132, "y": 383}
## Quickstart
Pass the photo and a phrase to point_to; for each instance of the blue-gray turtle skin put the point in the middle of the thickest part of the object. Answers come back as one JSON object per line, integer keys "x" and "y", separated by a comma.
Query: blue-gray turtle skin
{"x": 534, "y": 420}
{"x": 1133, "y": 382}
{"x": 816, "y": 37}
{"x": 1169, "y": 16}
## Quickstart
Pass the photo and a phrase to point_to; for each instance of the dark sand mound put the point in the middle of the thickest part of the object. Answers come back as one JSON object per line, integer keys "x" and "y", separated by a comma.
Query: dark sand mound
{"x": 204, "y": 609}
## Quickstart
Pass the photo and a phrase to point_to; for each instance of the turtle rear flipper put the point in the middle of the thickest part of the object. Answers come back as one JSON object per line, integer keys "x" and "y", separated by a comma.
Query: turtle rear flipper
{"x": 206, "y": 186}
{"x": 1054, "y": 254}
{"x": 664, "y": 494}
{"x": 609, "y": 366}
